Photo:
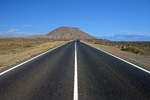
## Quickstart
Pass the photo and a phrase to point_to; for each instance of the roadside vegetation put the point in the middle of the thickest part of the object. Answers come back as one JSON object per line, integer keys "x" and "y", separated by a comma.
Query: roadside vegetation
{"x": 15, "y": 50}
{"x": 16, "y": 45}
{"x": 137, "y": 47}
{"x": 135, "y": 52}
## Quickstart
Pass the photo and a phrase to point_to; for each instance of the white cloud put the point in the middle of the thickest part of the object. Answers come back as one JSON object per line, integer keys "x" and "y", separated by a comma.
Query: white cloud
{"x": 14, "y": 33}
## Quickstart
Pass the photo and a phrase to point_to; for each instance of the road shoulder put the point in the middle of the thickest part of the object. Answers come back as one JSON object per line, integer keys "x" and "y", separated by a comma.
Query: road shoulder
{"x": 140, "y": 60}
{"x": 11, "y": 59}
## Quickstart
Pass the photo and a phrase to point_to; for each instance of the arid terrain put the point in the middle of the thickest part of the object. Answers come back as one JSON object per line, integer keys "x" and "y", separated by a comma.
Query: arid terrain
{"x": 115, "y": 48}
{"x": 15, "y": 50}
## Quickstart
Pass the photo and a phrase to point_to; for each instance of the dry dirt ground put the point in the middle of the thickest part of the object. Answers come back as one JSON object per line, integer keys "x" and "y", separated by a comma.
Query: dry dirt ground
{"x": 141, "y": 60}
{"x": 13, "y": 51}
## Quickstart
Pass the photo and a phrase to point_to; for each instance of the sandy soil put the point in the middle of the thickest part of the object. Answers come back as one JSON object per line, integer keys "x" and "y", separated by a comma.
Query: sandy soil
{"x": 14, "y": 58}
{"x": 141, "y": 60}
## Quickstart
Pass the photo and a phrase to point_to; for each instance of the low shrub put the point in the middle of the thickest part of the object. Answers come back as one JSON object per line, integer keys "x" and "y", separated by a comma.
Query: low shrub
{"x": 133, "y": 50}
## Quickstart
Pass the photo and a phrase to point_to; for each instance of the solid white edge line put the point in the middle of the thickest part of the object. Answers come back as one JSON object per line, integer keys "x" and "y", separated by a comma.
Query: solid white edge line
{"x": 29, "y": 60}
{"x": 75, "y": 76}
{"x": 120, "y": 58}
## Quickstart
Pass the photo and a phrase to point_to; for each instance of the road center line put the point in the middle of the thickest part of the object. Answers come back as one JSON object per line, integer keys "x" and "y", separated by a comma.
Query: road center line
{"x": 75, "y": 76}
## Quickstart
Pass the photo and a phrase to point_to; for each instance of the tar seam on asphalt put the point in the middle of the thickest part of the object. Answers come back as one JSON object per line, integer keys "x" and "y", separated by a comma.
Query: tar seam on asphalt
{"x": 75, "y": 76}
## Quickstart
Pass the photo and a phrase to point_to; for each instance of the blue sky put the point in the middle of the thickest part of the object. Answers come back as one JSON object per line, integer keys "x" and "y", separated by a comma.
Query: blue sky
{"x": 119, "y": 20}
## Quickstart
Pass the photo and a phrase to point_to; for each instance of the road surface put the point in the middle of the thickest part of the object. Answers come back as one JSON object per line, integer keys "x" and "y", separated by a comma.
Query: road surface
{"x": 75, "y": 71}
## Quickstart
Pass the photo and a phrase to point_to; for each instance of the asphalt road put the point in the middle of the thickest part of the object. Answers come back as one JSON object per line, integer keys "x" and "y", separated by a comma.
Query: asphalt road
{"x": 99, "y": 76}
{"x": 103, "y": 77}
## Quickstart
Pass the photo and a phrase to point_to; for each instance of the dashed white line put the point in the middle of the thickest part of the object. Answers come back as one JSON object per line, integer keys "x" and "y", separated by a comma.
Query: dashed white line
{"x": 147, "y": 71}
{"x": 14, "y": 67}
{"x": 75, "y": 76}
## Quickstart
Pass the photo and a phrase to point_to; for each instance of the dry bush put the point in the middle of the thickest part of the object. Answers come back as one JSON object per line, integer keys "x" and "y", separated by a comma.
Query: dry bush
{"x": 15, "y": 50}
{"x": 14, "y": 45}
{"x": 134, "y": 50}
{"x": 145, "y": 45}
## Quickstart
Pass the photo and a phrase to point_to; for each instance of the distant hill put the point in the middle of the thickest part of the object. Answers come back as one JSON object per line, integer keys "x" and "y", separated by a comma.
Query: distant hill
{"x": 66, "y": 33}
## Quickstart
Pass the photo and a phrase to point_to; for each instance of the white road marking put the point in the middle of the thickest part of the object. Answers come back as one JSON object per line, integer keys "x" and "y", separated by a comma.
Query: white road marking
{"x": 28, "y": 60}
{"x": 75, "y": 76}
{"x": 120, "y": 59}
